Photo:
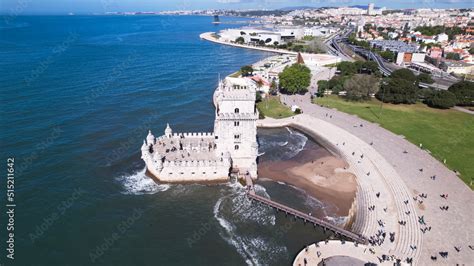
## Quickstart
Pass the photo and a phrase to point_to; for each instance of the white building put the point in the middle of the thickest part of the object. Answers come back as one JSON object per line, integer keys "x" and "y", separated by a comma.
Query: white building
{"x": 442, "y": 37}
{"x": 191, "y": 157}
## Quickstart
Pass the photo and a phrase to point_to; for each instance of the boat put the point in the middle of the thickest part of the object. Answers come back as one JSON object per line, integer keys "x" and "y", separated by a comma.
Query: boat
{"x": 216, "y": 20}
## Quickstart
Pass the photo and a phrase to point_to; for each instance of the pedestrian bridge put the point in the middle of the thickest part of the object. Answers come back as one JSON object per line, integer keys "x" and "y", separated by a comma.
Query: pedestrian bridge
{"x": 303, "y": 216}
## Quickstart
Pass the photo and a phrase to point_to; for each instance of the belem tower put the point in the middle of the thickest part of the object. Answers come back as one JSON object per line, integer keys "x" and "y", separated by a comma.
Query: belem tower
{"x": 232, "y": 147}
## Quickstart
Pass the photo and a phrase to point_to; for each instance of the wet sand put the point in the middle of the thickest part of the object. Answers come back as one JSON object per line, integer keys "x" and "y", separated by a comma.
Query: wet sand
{"x": 317, "y": 172}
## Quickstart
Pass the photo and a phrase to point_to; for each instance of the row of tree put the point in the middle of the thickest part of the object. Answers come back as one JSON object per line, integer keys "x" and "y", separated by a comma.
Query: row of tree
{"x": 402, "y": 87}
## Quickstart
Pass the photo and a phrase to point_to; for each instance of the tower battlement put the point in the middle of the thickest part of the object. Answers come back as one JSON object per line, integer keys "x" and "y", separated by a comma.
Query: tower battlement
{"x": 209, "y": 156}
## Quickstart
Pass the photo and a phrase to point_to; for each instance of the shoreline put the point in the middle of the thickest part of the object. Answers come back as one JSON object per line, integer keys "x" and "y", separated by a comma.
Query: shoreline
{"x": 319, "y": 173}
{"x": 208, "y": 37}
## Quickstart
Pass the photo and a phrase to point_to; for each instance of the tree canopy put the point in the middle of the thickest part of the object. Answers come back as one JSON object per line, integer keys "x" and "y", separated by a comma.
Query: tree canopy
{"x": 395, "y": 90}
{"x": 240, "y": 40}
{"x": 441, "y": 99}
{"x": 361, "y": 86}
{"x": 295, "y": 79}
{"x": 464, "y": 91}
{"x": 425, "y": 78}
{"x": 246, "y": 70}
{"x": 404, "y": 74}
{"x": 347, "y": 68}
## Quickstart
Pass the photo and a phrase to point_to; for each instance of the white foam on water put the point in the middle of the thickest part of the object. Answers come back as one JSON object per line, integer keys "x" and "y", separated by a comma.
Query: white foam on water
{"x": 240, "y": 211}
{"x": 281, "y": 144}
{"x": 281, "y": 183}
{"x": 139, "y": 184}
{"x": 289, "y": 130}
{"x": 339, "y": 221}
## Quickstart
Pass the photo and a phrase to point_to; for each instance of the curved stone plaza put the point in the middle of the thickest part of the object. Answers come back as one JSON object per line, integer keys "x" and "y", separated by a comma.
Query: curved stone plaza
{"x": 397, "y": 194}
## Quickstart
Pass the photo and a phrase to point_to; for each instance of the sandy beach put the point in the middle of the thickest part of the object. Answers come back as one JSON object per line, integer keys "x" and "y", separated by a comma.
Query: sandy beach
{"x": 317, "y": 172}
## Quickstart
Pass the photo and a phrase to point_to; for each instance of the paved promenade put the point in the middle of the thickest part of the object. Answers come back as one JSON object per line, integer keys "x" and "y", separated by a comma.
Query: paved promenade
{"x": 415, "y": 188}
{"x": 324, "y": 250}
{"x": 208, "y": 36}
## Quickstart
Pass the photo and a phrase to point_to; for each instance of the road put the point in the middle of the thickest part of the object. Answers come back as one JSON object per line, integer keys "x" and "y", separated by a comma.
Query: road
{"x": 385, "y": 67}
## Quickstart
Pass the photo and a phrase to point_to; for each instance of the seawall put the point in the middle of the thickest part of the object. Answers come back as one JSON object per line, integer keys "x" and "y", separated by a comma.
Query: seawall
{"x": 208, "y": 36}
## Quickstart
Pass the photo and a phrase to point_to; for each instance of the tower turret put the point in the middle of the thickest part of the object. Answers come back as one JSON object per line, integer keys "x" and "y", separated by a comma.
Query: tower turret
{"x": 168, "y": 131}
{"x": 150, "y": 139}
{"x": 145, "y": 151}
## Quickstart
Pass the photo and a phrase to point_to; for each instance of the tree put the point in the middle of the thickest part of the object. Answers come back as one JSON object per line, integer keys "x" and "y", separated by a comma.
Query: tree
{"x": 464, "y": 91}
{"x": 246, "y": 70}
{"x": 360, "y": 87}
{"x": 441, "y": 99}
{"x": 453, "y": 56}
{"x": 336, "y": 84}
{"x": 347, "y": 68}
{"x": 273, "y": 88}
{"x": 371, "y": 66}
{"x": 258, "y": 97}
{"x": 397, "y": 91}
{"x": 240, "y": 40}
{"x": 425, "y": 78}
{"x": 471, "y": 50}
{"x": 275, "y": 43}
{"x": 323, "y": 85}
{"x": 261, "y": 43}
{"x": 387, "y": 55}
{"x": 295, "y": 79}
{"x": 404, "y": 74}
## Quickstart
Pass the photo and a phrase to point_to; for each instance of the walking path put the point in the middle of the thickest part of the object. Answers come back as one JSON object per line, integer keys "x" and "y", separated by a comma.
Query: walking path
{"x": 410, "y": 183}
{"x": 327, "y": 249}
{"x": 462, "y": 109}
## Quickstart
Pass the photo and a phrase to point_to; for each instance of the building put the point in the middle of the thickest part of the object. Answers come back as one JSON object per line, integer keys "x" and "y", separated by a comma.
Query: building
{"x": 191, "y": 157}
{"x": 458, "y": 68}
{"x": 404, "y": 58}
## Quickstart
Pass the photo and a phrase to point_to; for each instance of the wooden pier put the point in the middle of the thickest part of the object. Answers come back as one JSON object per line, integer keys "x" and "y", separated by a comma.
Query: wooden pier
{"x": 303, "y": 216}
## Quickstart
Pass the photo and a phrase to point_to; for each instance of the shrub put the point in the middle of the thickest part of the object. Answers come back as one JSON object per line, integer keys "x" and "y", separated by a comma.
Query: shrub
{"x": 397, "y": 91}
{"x": 464, "y": 92}
{"x": 240, "y": 40}
{"x": 441, "y": 99}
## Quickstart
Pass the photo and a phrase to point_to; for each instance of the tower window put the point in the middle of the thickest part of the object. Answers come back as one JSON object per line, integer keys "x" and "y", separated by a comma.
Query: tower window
{"x": 236, "y": 147}
{"x": 236, "y": 136}
{"x": 236, "y": 110}
{"x": 236, "y": 123}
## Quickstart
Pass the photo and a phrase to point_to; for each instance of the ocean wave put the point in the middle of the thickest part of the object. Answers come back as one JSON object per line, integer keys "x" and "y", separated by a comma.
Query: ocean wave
{"x": 281, "y": 144}
{"x": 139, "y": 184}
{"x": 234, "y": 210}
{"x": 339, "y": 221}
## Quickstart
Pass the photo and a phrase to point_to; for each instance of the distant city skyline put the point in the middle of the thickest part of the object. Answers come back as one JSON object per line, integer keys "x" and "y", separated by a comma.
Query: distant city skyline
{"x": 20, "y": 7}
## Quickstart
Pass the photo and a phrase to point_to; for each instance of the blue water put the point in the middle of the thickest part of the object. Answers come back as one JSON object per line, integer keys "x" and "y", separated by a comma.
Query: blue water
{"x": 78, "y": 96}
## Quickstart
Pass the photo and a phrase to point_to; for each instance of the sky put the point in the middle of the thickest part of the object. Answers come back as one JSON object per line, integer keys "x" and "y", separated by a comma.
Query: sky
{"x": 19, "y": 7}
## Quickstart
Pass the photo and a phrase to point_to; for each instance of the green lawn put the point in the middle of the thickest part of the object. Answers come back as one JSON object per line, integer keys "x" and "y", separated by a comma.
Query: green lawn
{"x": 235, "y": 74}
{"x": 272, "y": 107}
{"x": 447, "y": 134}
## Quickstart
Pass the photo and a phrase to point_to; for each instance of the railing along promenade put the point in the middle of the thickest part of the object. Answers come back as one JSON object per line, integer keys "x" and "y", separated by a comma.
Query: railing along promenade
{"x": 298, "y": 214}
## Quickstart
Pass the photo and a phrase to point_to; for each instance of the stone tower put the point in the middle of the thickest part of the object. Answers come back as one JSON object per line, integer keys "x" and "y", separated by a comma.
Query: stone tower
{"x": 235, "y": 127}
